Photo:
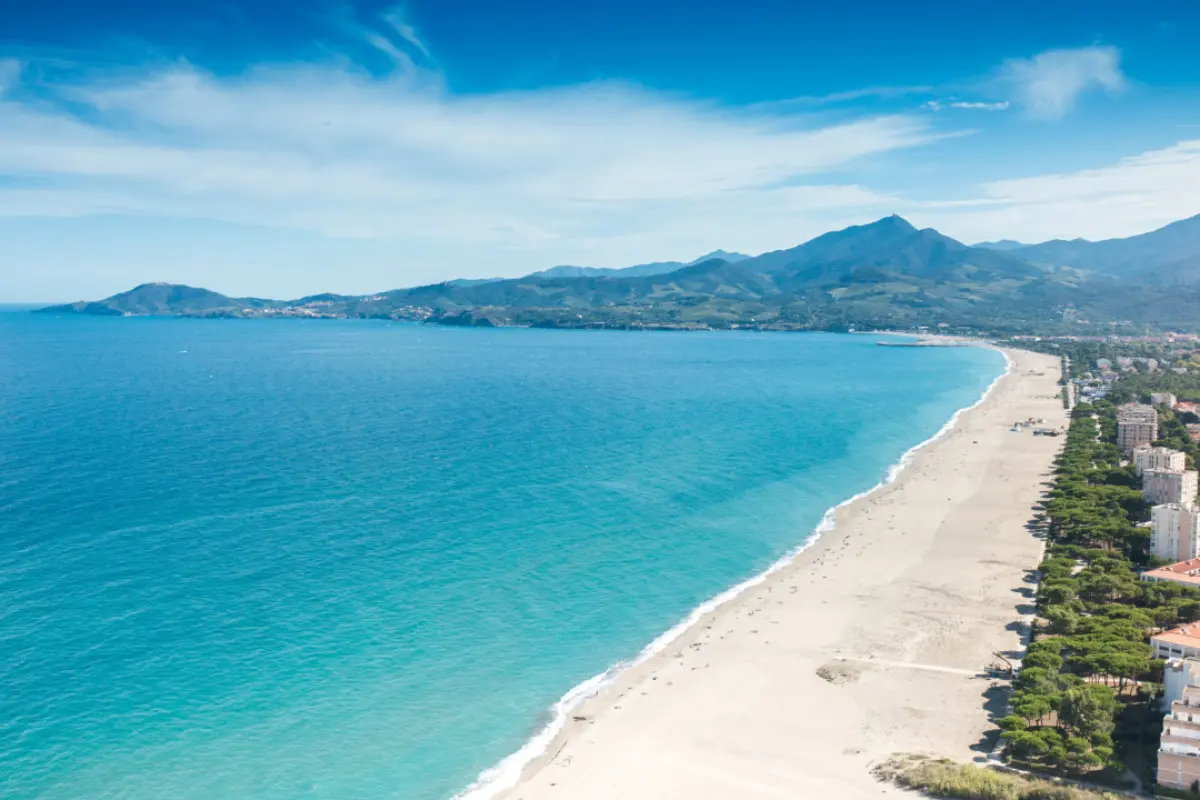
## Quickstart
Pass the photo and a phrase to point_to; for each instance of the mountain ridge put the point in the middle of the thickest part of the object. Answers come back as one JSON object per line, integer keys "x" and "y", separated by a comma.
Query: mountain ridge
{"x": 1149, "y": 256}
{"x": 884, "y": 273}
{"x": 635, "y": 271}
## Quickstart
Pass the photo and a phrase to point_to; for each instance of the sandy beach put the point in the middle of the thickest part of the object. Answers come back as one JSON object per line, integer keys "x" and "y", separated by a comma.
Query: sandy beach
{"x": 873, "y": 641}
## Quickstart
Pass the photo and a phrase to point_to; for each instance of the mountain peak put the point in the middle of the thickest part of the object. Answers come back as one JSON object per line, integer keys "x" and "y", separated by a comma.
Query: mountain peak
{"x": 894, "y": 221}
{"x": 723, "y": 255}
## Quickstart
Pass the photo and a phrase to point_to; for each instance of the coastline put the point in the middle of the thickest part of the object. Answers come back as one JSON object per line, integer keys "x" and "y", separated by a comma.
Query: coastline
{"x": 577, "y": 711}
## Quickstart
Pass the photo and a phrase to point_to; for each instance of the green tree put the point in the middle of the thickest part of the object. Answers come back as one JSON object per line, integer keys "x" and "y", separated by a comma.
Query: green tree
{"x": 1049, "y": 661}
{"x": 1088, "y": 710}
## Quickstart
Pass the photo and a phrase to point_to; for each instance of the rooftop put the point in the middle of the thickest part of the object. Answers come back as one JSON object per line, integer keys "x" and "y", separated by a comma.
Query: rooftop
{"x": 1183, "y": 636}
{"x": 1180, "y": 572}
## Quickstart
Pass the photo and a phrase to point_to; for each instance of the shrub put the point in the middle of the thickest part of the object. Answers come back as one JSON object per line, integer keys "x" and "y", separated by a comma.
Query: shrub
{"x": 946, "y": 779}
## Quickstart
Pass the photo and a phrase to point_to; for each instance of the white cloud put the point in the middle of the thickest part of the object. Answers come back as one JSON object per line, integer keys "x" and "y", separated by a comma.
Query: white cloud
{"x": 397, "y": 17}
{"x": 999, "y": 106}
{"x": 939, "y": 105}
{"x": 1049, "y": 84}
{"x": 870, "y": 93}
{"x": 1132, "y": 196}
{"x": 336, "y": 151}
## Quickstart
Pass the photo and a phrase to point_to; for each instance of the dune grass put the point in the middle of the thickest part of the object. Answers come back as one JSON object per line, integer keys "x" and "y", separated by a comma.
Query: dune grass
{"x": 946, "y": 779}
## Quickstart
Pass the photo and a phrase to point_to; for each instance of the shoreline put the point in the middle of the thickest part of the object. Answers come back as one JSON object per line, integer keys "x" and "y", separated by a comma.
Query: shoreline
{"x": 866, "y": 643}
{"x": 497, "y": 781}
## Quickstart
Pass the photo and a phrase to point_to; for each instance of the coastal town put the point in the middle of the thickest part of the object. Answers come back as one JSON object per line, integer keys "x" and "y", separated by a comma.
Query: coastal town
{"x": 1073, "y": 626}
{"x": 1170, "y": 489}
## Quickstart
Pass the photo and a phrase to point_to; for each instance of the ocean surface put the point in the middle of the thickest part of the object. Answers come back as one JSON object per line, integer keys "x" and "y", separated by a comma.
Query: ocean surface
{"x": 269, "y": 560}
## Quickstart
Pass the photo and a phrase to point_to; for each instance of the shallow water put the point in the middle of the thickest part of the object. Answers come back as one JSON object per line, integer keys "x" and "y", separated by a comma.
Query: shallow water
{"x": 272, "y": 559}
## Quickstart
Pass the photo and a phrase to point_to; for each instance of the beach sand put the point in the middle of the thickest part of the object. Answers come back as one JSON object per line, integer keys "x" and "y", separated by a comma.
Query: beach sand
{"x": 872, "y": 642}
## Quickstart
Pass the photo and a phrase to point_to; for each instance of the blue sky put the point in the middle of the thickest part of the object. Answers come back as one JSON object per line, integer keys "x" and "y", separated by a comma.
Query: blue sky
{"x": 278, "y": 149}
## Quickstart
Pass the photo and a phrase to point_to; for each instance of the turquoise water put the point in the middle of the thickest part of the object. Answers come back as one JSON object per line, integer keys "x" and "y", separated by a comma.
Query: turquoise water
{"x": 266, "y": 560}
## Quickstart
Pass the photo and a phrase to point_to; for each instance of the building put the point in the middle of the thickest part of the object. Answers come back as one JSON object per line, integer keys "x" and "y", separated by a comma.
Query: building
{"x": 1164, "y": 487}
{"x": 1174, "y": 532}
{"x": 1163, "y": 399}
{"x": 1136, "y": 425}
{"x": 1160, "y": 458}
{"x": 1179, "y": 746}
{"x": 1185, "y": 573}
{"x": 1181, "y": 642}
{"x": 1179, "y": 674}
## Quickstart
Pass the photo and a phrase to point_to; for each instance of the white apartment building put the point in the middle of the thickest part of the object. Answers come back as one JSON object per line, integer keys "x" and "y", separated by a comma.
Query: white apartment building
{"x": 1179, "y": 747}
{"x": 1163, "y": 399}
{"x": 1161, "y": 458}
{"x": 1136, "y": 425}
{"x": 1175, "y": 532}
{"x": 1164, "y": 487}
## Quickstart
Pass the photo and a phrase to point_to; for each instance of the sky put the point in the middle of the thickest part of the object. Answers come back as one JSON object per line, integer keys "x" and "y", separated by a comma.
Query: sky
{"x": 277, "y": 149}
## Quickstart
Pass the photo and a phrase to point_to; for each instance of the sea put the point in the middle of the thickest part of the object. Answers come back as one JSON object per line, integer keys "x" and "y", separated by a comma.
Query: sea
{"x": 362, "y": 560}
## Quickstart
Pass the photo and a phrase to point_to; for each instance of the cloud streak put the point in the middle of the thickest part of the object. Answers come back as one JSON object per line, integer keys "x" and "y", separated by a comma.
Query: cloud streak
{"x": 939, "y": 105}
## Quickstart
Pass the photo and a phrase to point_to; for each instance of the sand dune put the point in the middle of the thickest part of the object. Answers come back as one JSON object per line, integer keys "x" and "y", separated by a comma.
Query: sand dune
{"x": 873, "y": 641}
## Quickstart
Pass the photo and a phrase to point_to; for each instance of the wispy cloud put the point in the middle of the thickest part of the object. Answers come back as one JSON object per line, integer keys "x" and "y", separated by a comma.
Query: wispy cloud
{"x": 853, "y": 96}
{"x": 1130, "y": 196}
{"x": 397, "y": 18}
{"x": 334, "y": 150}
{"x": 939, "y": 105}
{"x": 1048, "y": 85}
{"x": 389, "y": 32}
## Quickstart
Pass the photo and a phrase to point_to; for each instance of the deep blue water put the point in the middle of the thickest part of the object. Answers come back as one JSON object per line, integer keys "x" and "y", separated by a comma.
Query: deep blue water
{"x": 266, "y": 560}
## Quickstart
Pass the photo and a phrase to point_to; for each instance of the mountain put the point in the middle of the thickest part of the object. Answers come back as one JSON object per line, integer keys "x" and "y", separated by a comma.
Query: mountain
{"x": 722, "y": 255}
{"x": 884, "y": 274}
{"x": 636, "y": 271}
{"x": 176, "y": 300}
{"x": 566, "y": 271}
{"x": 159, "y": 299}
{"x": 1003, "y": 244}
{"x": 892, "y": 247}
{"x": 473, "y": 281}
{"x": 1167, "y": 256}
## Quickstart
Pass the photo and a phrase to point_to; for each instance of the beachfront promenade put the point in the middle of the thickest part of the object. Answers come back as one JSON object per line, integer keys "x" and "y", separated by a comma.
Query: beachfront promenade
{"x": 874, "y": 641}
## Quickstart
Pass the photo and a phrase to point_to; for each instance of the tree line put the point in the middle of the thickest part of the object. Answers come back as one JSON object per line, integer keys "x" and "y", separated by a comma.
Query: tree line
{"x": 1089, "y": 668}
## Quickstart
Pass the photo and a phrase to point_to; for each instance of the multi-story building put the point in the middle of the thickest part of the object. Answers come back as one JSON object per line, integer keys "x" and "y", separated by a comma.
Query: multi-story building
{"x": 1181, "y": 642}
{"x": 1179, "y": 746}
{"x": 1163, "y": 399}
{"x": 1164, "y": 487}
{"x": 1174, "y": 532}
{"x": 1164, "y": 458}
{"x": 1136, "y": 425}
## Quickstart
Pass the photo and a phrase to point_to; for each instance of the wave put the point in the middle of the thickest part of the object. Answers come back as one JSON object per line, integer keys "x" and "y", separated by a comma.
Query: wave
{"x": 507, "y": 773}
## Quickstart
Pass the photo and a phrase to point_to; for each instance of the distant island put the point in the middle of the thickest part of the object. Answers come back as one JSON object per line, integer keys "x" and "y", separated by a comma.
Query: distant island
{"x": 884, "y": 275}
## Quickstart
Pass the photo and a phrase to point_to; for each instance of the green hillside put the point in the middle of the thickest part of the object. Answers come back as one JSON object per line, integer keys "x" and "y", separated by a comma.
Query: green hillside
{"x": 885, "y": 274}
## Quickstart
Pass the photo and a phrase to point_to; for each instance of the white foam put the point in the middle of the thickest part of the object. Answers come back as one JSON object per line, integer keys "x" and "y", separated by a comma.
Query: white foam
{"x": 507, "y": 773}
